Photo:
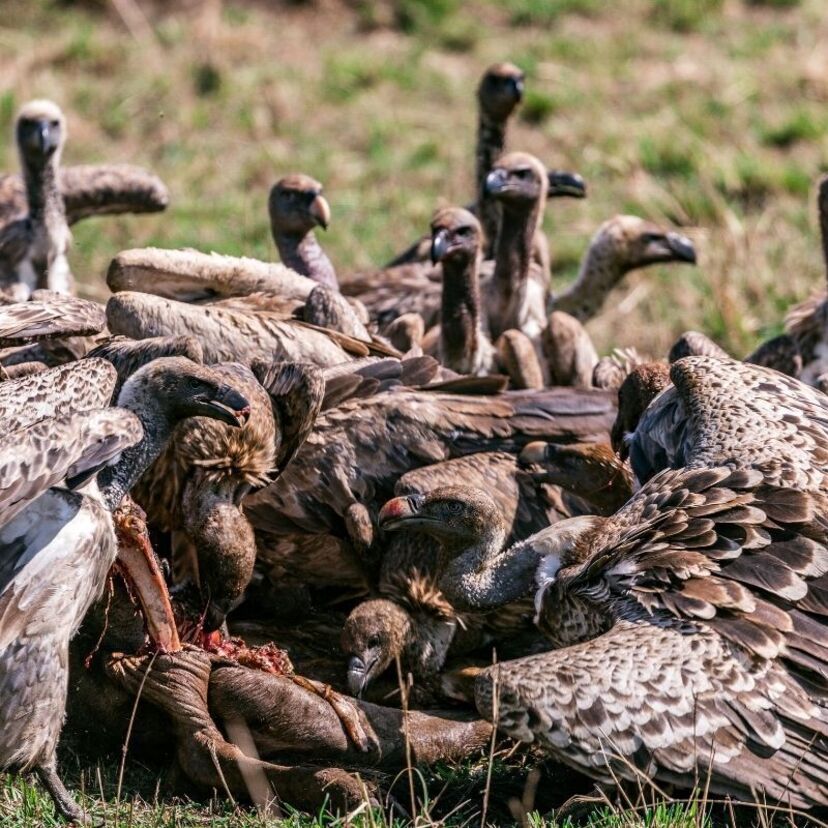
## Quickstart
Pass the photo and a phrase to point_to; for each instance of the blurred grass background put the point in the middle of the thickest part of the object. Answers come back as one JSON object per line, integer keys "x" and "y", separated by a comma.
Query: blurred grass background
{"x": 709, "y": 114}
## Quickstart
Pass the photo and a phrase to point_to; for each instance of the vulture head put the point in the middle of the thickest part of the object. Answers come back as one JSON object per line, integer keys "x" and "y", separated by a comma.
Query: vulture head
{"x": 517, "y": 179}
{"x": 500, "y": 91}
{"x": 296, "y": 206}
{"x": 636, "y": 242}
{"x": 456, "y": 515}
{"x": 180, "y": 388}
{"x": 40, "y": 131}
{"x": 455, "y": 235}
{"x": 374, "y": 635}
{"x": 642, "y": 385}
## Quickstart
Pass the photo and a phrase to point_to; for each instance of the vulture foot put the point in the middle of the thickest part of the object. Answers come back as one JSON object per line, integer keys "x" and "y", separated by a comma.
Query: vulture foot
{"x": 65, "y": 805}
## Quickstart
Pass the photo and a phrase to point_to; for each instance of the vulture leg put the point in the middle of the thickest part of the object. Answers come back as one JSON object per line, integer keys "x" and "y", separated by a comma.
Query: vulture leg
{"x": 64, "y": 804}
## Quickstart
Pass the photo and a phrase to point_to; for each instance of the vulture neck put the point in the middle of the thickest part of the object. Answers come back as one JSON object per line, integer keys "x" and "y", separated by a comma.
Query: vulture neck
{"x": 513, "y": 262}
{"x": 460, "y": 314}
{"x": 491, "y": 140}
{"x": 484, "y": 576}
{"x": 601, "y": 270}
{"x": 116, "y": 481}
{"x": 305, "y": 255}
{"x": 43, "y": 194}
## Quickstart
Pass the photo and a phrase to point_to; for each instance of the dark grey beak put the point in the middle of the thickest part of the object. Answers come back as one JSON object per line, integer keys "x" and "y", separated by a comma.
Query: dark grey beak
{"x": 517, "y": 86}
{"x": 439, "y": 246}
{"x": 496, "y": 181}
{"x": 228, "y": 406}
{"x": 38, "y": 138}
{"x": 681, "y": 247}
{"x": 357, "y": 676}
{"x": 566, "y": 184}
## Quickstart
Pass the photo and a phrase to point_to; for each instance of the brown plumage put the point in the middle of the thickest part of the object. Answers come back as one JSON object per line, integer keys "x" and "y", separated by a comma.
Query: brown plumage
{"x": 227, "y": 334}
{"x": 693, "y": 343}
{"x": 296, "y": 207}
{"x": 610, "y": 371}
{"x": 357, "y": 451}
{"x": 570, "y": 354}
{"x": 49, "y": 315}
{"x": 591, "y": 471}
{"x": 195, "y": 488}
{"x": 621, "y": 244}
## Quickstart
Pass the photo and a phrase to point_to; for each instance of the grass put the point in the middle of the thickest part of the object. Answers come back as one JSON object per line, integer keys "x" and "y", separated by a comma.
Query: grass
{"x": 706, "y": 114}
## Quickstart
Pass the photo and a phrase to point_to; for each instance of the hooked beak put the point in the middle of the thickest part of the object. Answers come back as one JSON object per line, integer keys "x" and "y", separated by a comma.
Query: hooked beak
{"x": 517, "y": 86}
{"x": 226, "y": 405}
{"x": 439, "y": 246}
{"x": 566, "y": 184}
{"x": 400, "y": 511}
{"x": 537, "y": 453}
{"x": 357, "y": 676}
{"x": 681, "y": 247}
{"x": 496, "y": 182}
{"x": 39, "y": 138}
{"x": 320, "y": 211}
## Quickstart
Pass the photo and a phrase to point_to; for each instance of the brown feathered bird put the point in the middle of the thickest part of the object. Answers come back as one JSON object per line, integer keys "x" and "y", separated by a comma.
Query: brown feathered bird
{"x": 33, "y": 248}
{"x": 296, "y": 207}
{"x": 329, "y": 496}
{"x": 57, "y": 549}
{"x": 195, "y": 488}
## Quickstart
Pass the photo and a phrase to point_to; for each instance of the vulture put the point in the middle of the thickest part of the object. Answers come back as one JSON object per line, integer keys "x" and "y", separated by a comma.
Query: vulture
{"x": 33, "y": 247}
{"x": 317, "y": 519}
{"x": 499, "y": 93}
{"x": 195, "y": 488}
{"x": 621, "y": 244}
{"x": 800, "y": 351}
{"x": 59, "y": 542}
{"x": 296, "y": 206}
{"x": 410, "y": 619}
{"x": 464, "y": 345}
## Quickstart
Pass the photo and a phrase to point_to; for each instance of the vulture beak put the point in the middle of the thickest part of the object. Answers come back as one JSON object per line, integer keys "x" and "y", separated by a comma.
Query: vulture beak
{"x": 320, "y": 211}
{"x": 496, "y": 182}
{"x": 357, "y": 676}
{"x": 226, "y": 405}
{"x": 39, "y": 138}
{"x": 517, "y": 87}
{"x": 439, "y": 246}
{"x": 681, "y": 248}
{"x": 563, "y": 183}
{"x": 401, "y": 511}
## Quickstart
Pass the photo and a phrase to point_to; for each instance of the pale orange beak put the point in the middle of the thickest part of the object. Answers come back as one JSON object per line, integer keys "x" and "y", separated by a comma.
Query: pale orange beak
{"x": 321, "y": 211}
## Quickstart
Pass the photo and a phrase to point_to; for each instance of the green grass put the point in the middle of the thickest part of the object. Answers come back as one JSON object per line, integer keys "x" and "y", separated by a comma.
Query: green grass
{"x": 707, "y": 114}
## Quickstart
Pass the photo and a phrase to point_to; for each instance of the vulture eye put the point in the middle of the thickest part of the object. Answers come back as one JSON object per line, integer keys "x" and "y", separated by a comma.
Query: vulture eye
{"x": 522, "y": 174}
{"x": 464, "y": 231}
{"x": 373, "y": 641}
{"x": 650, "y": 237}
{"x": 455, "y": 507}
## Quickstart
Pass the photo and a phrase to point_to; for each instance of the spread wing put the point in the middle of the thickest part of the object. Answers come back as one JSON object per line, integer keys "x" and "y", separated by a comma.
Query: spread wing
{"x": 42, "y": 455}
{"x": 711, "y": 584}
{"x": 357, "y": 451}
{"x": 296, "y": 393}
{"x": 58, "y": 392}
{"x": 92, "y": 190}
{"x": 723, "y": 412}
{"x": 49, "y": 315}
